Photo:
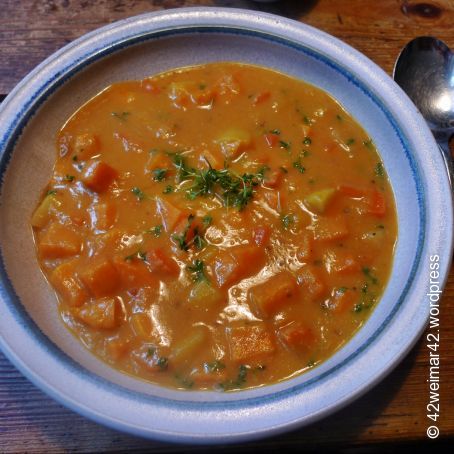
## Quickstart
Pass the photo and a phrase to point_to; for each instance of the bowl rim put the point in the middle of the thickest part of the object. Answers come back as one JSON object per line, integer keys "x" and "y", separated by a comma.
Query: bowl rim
{"x": 52, "y": 73}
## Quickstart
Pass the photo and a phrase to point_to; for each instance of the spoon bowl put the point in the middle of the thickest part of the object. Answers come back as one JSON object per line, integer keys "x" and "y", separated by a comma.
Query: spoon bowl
{"x": 425, "y": 71}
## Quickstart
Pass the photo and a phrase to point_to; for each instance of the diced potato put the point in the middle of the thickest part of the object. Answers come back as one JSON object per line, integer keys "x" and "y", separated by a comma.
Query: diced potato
{"x": 141, "y": 325}
{"x": 41, "y": 215}
{"x": 86, "y": 146}
{"x": 250, "y": 342}
{"x": 318, "y": 201}
{"x": 204, "y": 296}
{"x": 133, "y": 273}
{"x": 59, "y": 241}
{"x": 232, "y": 265}
{"x": 330, "y": 228}
{"x": 101, "y": 278}
{"x": 311, "y": 280}
{"x": 233, "y": 142}
{"x": 273, "y": 294}
{"x": 185, "y": 349}
{"x": 98, "y": 176}
{"x": 104, "y": 313}
{"x": 105, "y": 214}
{"x": 296, "y": 336}
{"x": 65, "y": 281}
{"x": 342, "y": 300}
{"x": 170, "y": 214}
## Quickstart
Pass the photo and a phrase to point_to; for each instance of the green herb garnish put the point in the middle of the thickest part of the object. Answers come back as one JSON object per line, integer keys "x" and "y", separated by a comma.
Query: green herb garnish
{"x": 122, "y": 116}
{"x": 138, "y": 193}
{"x": 197, "y": 269}
{"x": 159, "y": 174}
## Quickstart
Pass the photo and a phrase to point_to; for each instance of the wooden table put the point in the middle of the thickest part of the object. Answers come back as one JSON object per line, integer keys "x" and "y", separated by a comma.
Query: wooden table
{"x": 390, "y": 417}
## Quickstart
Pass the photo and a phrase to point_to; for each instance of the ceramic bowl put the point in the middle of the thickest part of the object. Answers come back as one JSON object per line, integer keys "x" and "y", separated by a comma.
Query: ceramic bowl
{"x": 31, "y": 333}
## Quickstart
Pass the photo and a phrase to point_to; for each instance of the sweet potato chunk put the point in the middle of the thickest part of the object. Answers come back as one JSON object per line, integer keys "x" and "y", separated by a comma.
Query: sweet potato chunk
{"x": 170, "y": 214}
{"x": 232, "y": 265}
{"x": 273, "y": 294}
{"x": 105, "y": 214}
{"x": 59, "y": 242}
{"x": 98, "y": 176}
{"x": 133, "y": 273}
{"x": 296, "y": 336}
{"x": 101, "y": 278}
{"x": 250, "y": 342}
{"x": 159, "y": 261}
{"x": 104, "y": 313}
{"x": 68, "y": 286}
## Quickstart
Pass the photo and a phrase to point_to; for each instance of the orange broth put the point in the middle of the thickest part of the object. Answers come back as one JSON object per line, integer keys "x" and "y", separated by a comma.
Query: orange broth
{"x": 215, "y": 227}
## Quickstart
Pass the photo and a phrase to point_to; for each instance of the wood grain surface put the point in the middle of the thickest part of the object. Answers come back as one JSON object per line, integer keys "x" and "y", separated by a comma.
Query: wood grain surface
{"x": 389, "y": 418}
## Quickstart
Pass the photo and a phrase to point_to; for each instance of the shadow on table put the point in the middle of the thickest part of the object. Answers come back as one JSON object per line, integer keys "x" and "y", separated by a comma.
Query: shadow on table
{"x": 293, "y": 9}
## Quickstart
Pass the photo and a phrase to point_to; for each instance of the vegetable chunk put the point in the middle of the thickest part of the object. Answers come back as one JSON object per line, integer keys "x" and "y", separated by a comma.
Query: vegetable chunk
{"x": 250, "y": 342}
{"x": 99, "y": 176}
{"x": 101, "y": 278}
{"x": 67, "y": 284}
{"x": 103, "y": 314}
{"x": 273, "y": 294}
{"x": 59, "y": 241}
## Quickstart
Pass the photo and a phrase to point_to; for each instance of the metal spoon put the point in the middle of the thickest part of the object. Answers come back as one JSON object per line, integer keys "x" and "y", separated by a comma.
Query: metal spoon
{"x": 425, "y": 71}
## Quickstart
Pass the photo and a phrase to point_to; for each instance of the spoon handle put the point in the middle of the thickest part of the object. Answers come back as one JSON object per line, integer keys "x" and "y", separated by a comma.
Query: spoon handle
{"x": 446, "y": 153}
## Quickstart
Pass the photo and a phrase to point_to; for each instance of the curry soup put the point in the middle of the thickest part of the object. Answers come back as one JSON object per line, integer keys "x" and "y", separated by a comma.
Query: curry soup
{"x": 215, "y": 227}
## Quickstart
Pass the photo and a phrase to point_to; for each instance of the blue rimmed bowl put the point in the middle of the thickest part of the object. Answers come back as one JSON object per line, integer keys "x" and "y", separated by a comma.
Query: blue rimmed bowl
{"x": 31, "y": 333}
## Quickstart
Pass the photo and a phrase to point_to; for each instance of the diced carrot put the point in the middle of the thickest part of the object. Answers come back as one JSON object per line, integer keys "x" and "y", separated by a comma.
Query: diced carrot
{"x": 59, "y": 241}
{"x": 296, "y": 336}
{"x": 133, "y": 273}
{"x": 232, "y": 265}
{"x": 273, "y": 178}
{"x": 341, "y": 262}
{"x": 179, "y": 94}
{"x": 376, "y": 204}
{"x": 274, "y": 293}
{"x": 311, "y": 280}
{"x": 159, "y": 261}
{"x": 342, "y": 300}
{"x": 261, "y": 97}
{"x": 105, "y": 214}
{"x": 101, "y": 277}
{"x": 250, "y": 342}
{"x": 271, "y": 139}
{"x": 85, "y": 146}
{"x": 261, "y": 235}
{"x": 98, "y": 176}
{"x": 104, "y": 313}
{"x": 170, "y": 214}
{"x": 64, "y": 279}
{"x": 330, "y": 228}
{"x": 351, "y": 191}
{"x": 305, "y": 248}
